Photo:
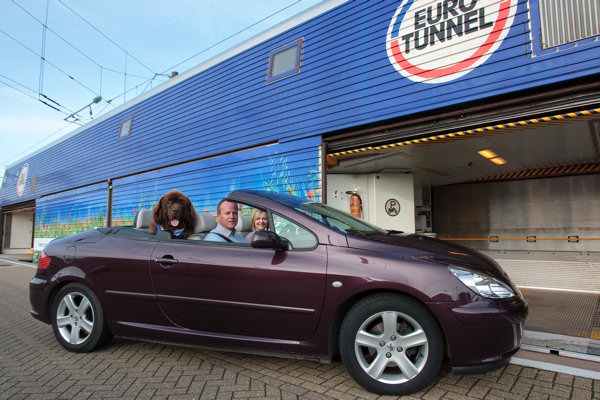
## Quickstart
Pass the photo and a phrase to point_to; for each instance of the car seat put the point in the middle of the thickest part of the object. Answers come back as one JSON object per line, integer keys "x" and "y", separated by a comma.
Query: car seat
{"x": 142, "y": 219}
{"x": 244, "y": 225}
{"x": 205, "y": 222}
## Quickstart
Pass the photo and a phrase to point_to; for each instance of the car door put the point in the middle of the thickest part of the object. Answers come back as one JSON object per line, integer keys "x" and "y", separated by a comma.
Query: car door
{"x": 235, "y": 289}
{"x": 121, "y": 275}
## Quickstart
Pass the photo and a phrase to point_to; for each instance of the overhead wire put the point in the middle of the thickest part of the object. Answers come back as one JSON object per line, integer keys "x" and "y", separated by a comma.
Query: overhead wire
{"x": 49, "y": 62}
{"x": 17, "y": 89}
{"x": 230, "y": 36}
{"x": 46, "y": 27}
{"x": 43, "y": 55}
{"x": 34, "y": 91}
{"x": 43, "y": 58}
{"x": 106, "y": 37}
{"x": 20, "y": 84}
{"x": 102, "y": 67}
{"x": 148, "y": 81}
{"x": 30, "y": 96}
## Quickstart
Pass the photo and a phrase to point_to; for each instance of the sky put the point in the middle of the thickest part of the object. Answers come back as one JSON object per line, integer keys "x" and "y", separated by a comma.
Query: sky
{"x": 65, "y": 62}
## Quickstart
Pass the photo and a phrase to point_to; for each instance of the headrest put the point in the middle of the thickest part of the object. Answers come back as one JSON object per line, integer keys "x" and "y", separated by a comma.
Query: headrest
{"x": 244, "y": 224}
{"x": 142, "y": 219}
{"x": 205, "y": 221}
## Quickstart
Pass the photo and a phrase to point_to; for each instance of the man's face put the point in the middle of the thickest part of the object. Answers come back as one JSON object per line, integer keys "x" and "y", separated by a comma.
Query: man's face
{"x": 228, "y": 217}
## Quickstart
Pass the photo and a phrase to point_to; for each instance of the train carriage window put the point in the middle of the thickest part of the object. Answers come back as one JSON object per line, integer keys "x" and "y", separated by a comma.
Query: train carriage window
{"x": 125, "y": 129}
{"x": 285, "y": 61}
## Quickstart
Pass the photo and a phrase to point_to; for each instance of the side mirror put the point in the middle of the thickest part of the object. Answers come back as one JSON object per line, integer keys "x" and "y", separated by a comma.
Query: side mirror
{"x": 268, "y": 240}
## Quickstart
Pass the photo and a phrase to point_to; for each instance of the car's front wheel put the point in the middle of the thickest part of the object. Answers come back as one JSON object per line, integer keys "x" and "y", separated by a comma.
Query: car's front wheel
{"x": 391, "y": 344}
{"x": 78, "y": 319}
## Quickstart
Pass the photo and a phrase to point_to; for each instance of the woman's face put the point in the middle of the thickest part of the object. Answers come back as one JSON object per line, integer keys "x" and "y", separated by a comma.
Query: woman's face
{"x": 261, "y": 222}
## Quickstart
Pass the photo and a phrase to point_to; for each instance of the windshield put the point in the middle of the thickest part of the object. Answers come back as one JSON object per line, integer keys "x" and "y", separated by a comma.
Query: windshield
{"x": 338, "y": 220}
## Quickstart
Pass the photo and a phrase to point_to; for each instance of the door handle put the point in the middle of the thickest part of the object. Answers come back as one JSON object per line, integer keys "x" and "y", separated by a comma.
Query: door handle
{"x": 166, "y": 261}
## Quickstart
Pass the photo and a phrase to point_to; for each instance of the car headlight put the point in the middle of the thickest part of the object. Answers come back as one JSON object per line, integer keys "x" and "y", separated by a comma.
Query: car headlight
{"x": 482, "y": 284}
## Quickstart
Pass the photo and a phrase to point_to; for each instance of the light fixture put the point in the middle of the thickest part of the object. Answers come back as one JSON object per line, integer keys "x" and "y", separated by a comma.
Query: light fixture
{"x": 492, "y": 156}
{"x": 487, "y": 153}
{"x": 96, "y": 100}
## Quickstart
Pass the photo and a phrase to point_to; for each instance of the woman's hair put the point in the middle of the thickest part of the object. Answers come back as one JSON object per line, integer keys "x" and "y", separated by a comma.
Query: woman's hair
{"x": 255, "y": 215}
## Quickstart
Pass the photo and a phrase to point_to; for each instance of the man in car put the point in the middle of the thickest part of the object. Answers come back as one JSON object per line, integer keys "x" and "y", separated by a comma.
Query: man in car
{"x": 227, "y": 218}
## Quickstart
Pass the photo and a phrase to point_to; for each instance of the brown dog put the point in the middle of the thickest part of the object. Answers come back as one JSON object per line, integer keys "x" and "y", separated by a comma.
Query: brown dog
{"x": 175, "y": 213}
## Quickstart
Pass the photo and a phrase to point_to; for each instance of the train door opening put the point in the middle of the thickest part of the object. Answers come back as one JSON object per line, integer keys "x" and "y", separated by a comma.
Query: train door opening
{"x": 17, "y": 232}
{"x": 523, "y": 192}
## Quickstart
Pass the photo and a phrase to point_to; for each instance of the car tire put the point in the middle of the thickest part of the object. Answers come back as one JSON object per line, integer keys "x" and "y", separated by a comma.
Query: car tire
{"x": 391, "y": 344}
{"x": 78, "y": 320}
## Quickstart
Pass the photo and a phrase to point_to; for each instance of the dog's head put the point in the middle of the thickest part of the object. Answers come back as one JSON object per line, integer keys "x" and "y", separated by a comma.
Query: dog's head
{"x": 174, "y": 210}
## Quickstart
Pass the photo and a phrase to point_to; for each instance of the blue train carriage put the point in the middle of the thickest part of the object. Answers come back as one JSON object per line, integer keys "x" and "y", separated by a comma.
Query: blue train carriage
{"x": 389, "y": 100}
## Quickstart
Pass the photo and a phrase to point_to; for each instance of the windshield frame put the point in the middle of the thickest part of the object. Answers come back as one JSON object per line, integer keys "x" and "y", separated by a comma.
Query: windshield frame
{"x": 338, "y": 220}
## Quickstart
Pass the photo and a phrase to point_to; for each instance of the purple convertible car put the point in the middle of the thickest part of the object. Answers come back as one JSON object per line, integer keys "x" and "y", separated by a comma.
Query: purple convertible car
{"x": 318, "y": 284}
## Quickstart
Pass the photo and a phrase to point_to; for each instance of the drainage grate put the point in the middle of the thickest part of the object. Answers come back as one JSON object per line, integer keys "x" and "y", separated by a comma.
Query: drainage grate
{"x": 563, "y": 312}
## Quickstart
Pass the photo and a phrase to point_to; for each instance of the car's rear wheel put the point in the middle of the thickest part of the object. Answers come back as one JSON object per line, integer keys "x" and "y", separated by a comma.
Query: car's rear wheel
{"x": 391, "y": 344}
{"x": 78, "y": 319}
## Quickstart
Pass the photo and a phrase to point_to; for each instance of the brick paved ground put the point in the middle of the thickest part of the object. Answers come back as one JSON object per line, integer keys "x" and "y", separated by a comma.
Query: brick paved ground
{"x": 34, "y": 366}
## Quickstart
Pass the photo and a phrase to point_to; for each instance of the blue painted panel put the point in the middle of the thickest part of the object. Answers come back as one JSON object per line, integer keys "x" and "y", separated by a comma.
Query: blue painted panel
{"x": 70, "y": 212}
{"x": 291, "y": 168}
{"x": 346, "y": 80}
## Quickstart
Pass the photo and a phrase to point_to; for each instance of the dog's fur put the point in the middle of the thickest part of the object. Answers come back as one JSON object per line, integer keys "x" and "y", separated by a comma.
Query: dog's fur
{"x": 173, "y": 205}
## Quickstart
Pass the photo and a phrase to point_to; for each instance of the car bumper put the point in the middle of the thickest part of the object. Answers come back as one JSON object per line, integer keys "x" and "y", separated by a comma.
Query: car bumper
{"x": 482, "y": 335}
{"x": 38, "y": 299}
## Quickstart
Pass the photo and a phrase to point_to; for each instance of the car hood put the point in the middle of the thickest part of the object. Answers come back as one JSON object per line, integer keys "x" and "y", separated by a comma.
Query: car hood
{"x": 423, "y": 248}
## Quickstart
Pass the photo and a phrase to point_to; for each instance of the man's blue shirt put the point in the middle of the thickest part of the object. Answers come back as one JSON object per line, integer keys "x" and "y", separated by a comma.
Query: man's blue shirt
{"x": 231, "y": 235}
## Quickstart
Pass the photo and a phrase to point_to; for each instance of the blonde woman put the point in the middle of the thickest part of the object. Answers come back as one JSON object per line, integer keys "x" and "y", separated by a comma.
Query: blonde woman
{"x": 260, "y": 222}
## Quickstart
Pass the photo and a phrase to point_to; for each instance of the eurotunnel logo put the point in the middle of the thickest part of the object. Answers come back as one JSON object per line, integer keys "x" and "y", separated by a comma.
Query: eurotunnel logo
{"x": 22, "y": 179}
{"x": 435, "y": 42}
